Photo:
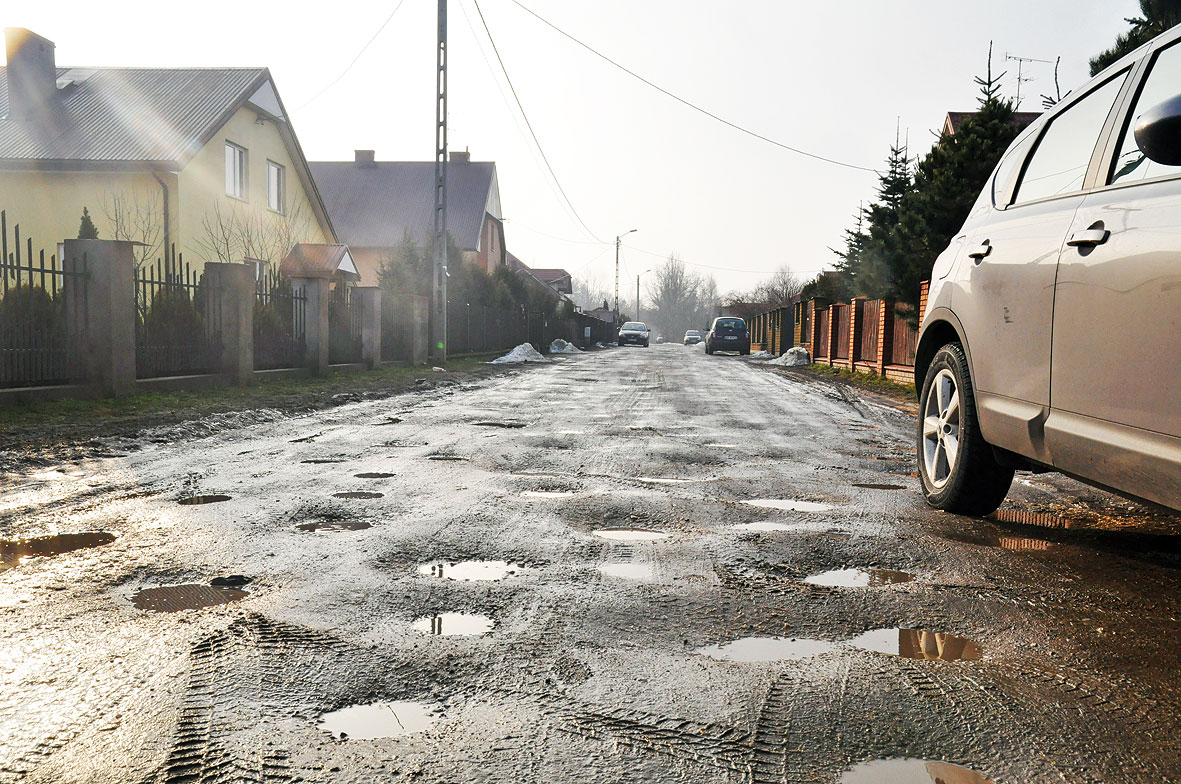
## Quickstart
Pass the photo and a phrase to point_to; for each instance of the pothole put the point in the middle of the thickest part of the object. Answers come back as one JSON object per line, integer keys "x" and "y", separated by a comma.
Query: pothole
{"x": 494, "y": 423}
{"x": 390, "y": 421}
{"x": 911, "y": 770}
{"x": 322, "y": 460}
{"x": 547, "y": 493}
{"x": 763, "y": 649}
{"x": 230, "y": 581}
{"x": 380, "y": 720}
{"x": 473, "y": 571}
{"x": 631, "y": 534}
{"x": 1044, "y": 519}
{"x": 917, "y": 644}
{"x": 445, "y": 457}
{"x": 13, "y": 551}
{"x": 787, "y": 505}
{"x": 763, "y": 526}
{"x": 871, "y": 486}
{"x": 858, "y": 578}
{"x": 452, "y": 624}
{"x": 196, "y": 500}
{"x": 628, "y": 571}
{"x": 334, "y": 525}
{"x": 374, "y": 475}
{"x": 192, "y": 596}
{"x": 358, "y": 494}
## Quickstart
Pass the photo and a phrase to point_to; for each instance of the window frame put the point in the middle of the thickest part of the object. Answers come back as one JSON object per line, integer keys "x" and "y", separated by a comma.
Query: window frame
{"x": 282, "y": 187}
{"x": 1111, "y": 153}
{"x": 242, "y": 154}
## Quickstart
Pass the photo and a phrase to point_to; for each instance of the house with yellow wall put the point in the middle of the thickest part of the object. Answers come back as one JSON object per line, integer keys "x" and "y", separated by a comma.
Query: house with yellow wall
{"x": 203, "y": 160}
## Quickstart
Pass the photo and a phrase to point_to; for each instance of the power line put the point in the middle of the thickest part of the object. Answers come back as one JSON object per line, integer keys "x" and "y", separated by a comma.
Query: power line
{"x": 354, "y": 60}
{"x": 686, "y": 102}
{"x": 529, "y": 125}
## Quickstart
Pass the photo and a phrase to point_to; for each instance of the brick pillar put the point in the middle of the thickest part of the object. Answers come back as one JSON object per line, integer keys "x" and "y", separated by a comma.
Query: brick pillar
{"x": 813, "y": 328}
{"x": 315, "y": 323}
{"x": 885, "y": 334}
{"x": 231, "y": 287}
{"x": 856, "y": 316}
{"x": 924, "y": 290}
{"x": 101, "y": 326}
{"x": 368, "y": 298}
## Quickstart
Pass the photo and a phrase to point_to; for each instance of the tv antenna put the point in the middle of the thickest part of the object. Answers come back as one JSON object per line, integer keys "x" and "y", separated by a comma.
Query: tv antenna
{"x": 1021, "y": 61}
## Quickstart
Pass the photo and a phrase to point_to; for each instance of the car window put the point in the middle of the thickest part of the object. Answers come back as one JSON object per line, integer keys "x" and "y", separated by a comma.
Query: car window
{"x": 1163, "y": 82}
{"x": 1060, "y": 160}
{"x": 1009, "y": 168}
{"x": 730, "y": 323}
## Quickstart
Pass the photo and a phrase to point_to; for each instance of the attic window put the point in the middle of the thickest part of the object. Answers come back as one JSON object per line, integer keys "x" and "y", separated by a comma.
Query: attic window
{"x": 235, "y": 171}
{"x": 276, "y": 187}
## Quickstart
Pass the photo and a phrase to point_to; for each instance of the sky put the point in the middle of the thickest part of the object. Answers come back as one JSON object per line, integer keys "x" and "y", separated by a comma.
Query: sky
{"x": 837, "y": 79}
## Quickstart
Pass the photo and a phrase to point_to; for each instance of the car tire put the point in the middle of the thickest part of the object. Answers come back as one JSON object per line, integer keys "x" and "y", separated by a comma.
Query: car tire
{"x": 745, "y": 352}
{"x": 957, "y": 468}
{"x": 645, "y": 344}
{"x": 708, "y": 350}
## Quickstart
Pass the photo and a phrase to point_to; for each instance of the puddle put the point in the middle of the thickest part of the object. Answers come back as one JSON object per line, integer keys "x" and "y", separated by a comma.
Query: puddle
{"x": 491, "y": 423}
{"x": 195, "y": 500}
{"x": 1022, "y": 543}
{"x": 867, "y": 486}
{"x": 445, "y": 457}
{"x": 660, "y": 480}
{"x": 374, "y": 475}
{"x": 762, "y": 649}
{"x": 390, "y": 421}
{"x": 917, "y": 644}
{"x": 722, "y": 446}
{"x": 764, "y": 526}
{"x": 334, "y": 525}
{"x": 363, "y": 494}
{"x": 173, "y": 598}
{"x": 475, "y": 571}
{"x": 858, "y": 578}
{"x": 547, "y": 493}
{"x": 379, "y": 720}
{"x": 630, "y": 534}
{"x": 787, "y": 505}
{"x": 909, "y": 770}
{"x": 454, "y": 624}
{"x": 628, "y": 571}
{"x": 230, "y": 581}
{"x": 1044, "y": 519}
{"x": 13, "y": 551}
{"x": 321, "y": 460}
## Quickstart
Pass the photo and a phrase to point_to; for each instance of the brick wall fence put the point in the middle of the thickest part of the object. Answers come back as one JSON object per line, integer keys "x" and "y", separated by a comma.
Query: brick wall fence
{"x": 864, "y": 335}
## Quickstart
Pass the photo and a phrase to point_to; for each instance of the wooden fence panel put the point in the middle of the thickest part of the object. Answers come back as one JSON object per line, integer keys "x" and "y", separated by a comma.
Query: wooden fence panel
{"x": 841, "y": 351}
{"x": 822, "y": 317}
{"x": 870, "y": 315}
{"x": 906, "y": 340}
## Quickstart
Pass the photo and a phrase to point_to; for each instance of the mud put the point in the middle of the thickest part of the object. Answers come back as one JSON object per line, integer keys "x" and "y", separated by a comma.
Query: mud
{"x": 788, "y": 505}
{"x": 334, "y": 525}
{"x": 630, "y": 534}
{"x": 198, "y": 500}
{"x": 858, "y": 578}
{"x": 768, "y": 649}
{"x": 193, "y": 596}
{"x": 13, "y": 552}
{"x": 379, "y": 720}
{"x": 374, "y": 475}
{"x": 363, "y": 495}
{"x": 912, "y": 771}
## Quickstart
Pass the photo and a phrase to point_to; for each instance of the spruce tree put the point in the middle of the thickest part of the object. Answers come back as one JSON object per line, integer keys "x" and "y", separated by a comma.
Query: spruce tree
{"x": 1159, "y": 16}
{"x": 86, "y": 229}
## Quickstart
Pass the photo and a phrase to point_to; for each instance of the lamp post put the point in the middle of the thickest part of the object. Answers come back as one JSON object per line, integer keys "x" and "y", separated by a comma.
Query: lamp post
{"x": 645, "y": 272}
{"x": 618, "y": 242}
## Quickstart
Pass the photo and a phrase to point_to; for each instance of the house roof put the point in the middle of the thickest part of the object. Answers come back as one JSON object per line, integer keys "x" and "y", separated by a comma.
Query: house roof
{"x": 316, "y": 260}
{"x": 550, "y": 275}
{"x": 954, "y": 120}
{"x": 156, "y": 115}
{"x": 375, "y": 205}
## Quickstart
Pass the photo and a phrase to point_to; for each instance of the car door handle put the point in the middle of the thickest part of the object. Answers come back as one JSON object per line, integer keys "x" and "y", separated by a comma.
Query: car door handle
{"x": 1089, "y": 238}
{"x": 983, "y": 250}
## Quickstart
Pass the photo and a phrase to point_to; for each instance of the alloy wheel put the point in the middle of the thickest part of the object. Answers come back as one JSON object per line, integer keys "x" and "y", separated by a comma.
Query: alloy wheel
{"x": 941, "y": 428}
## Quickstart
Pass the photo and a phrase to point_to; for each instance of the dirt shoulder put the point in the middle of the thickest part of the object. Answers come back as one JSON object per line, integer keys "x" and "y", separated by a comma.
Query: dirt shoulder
{"x": 881, "y": 390}
{"x": 53, "y": 431}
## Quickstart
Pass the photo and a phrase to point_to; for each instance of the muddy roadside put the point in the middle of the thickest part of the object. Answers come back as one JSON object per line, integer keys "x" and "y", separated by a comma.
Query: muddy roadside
{"x": 900, "y": 397}
{"x": 66, "y": 430}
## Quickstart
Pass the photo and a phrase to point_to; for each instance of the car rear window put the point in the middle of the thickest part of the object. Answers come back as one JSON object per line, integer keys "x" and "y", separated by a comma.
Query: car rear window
{"x": 730, "y": 323}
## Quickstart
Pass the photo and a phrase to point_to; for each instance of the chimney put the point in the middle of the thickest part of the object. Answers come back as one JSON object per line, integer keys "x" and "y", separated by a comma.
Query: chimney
{"x": 461, "y": 157}
{"x": 364, "y": 159}
{"x": 31, "y": 73}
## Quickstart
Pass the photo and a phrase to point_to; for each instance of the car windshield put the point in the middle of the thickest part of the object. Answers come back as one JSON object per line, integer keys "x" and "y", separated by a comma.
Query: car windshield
{"x": 692, "y": 334}
{"x": 730, "y": 323}
{"x": 635, "y": 326}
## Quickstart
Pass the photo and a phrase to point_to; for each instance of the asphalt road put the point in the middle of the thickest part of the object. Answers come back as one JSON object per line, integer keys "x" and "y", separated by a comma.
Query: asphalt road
{"x": 687, "y": 640}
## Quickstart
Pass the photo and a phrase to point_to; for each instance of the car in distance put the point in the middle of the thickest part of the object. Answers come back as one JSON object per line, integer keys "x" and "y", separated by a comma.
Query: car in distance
{"x": 1052, "y": 315}
{"x": 692, "y": 337}
{"x": 728, "y": 333}
{"x": 633, "y": 333}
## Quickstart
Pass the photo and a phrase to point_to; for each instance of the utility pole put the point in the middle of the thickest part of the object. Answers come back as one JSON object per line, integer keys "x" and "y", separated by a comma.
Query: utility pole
{"x": 645, "y": 272}
{"x": 618, "y": 242}
{"x": 438, "y": 321}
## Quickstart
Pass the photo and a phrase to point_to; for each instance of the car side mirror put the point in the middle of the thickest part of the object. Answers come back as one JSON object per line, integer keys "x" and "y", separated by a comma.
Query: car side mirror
{"x": 1158, "y": 132}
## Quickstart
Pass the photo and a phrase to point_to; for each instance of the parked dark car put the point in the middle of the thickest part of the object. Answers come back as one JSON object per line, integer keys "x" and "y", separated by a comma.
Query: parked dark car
{"x": 1052, "y": 315}
{"x": 692, "y": 337}
{"x": 634, "y": 333}
{"x": 728, "y": 333}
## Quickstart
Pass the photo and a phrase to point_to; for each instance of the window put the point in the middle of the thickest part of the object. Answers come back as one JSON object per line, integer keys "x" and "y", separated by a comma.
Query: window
{"x": 1061, "y": 158}
{"x": 1162, "y": 84}
{"x": 1007, "y": 171}
{"x": 276, "y": 187}
{"x": 235, "y": 171}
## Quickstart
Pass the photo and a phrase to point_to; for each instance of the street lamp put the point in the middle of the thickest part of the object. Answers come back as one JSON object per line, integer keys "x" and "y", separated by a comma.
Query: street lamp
{"x": 645, "y": 272}
{"x": 618, "y": 242}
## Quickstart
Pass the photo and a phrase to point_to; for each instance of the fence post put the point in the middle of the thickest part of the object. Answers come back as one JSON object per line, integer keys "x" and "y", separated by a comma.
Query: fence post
{"x": 102, "y": 330}
{"x": 832, "y": 334}
{"x": 368, "y": 298}
{"x": 233, "y": 288}
{"x": 885, "y": 335}
{"x": 856, "y": 316}
{"x": 315, "y": 322}
{"x": 814, "y": 328}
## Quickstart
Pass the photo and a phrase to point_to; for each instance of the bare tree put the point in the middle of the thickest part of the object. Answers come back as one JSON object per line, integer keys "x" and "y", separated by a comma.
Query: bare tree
{"x": 136, "y": 217}
{"x": 589, "y": 293}
{"x": 779, "y": 290}
{"x": 233, "y": 236}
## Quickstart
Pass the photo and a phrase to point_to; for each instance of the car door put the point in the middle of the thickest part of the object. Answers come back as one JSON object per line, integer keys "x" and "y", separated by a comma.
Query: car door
{"x": 1005, "y": 294}
{"x": 1116, "y": 369}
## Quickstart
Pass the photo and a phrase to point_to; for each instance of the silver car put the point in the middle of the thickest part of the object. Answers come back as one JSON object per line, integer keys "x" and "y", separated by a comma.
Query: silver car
{"x": 1051, "y": 334}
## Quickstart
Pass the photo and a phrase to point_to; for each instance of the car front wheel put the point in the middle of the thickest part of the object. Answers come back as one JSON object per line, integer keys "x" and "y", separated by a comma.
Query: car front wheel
{"x": 957, "y": 467}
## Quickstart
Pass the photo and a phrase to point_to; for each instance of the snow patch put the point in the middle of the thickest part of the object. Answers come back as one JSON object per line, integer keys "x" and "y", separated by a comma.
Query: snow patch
{"x": 793, "y": 357}
{"x": 762, "y": 355}
{"x": 560, "y": 346}
{"x": 522, "y": 353}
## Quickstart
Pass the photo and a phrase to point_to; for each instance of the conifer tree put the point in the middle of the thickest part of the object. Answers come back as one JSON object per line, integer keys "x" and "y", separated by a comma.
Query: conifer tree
{"x": 86, "y": 229}
{"x": 1159, "y": 16}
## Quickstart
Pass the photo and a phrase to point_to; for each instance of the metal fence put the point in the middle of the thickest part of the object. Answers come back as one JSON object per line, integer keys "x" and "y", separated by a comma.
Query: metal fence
{"x": 476, "y": 328}
{"x": 176, "y": 330}
{"x": 40, "y": 302}
{"x": 344, "y": 326}
{"x": 280, "y": 323}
